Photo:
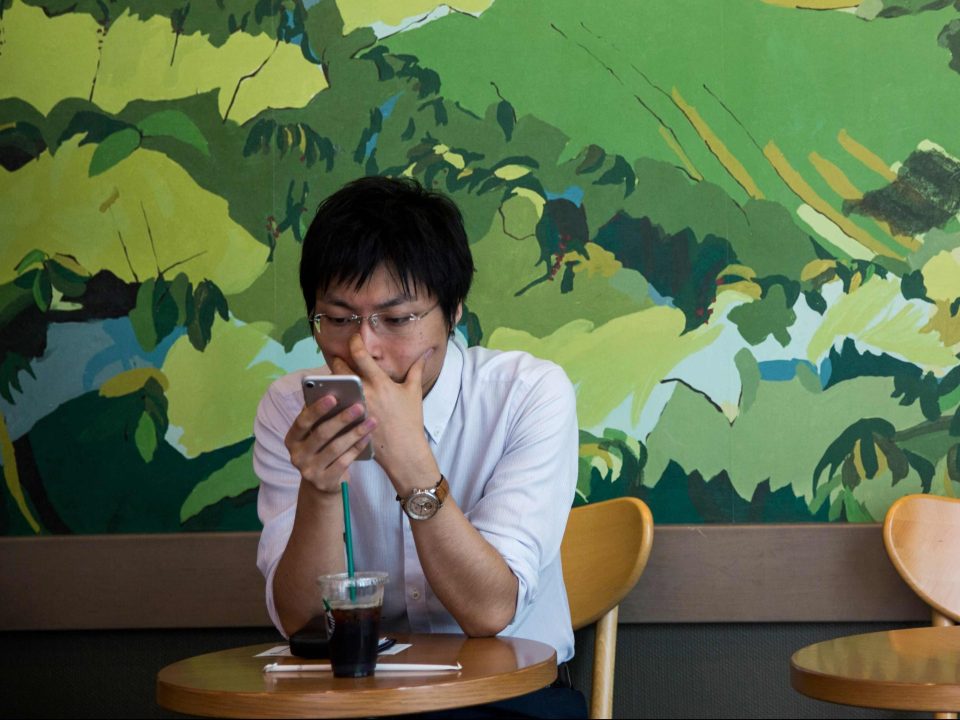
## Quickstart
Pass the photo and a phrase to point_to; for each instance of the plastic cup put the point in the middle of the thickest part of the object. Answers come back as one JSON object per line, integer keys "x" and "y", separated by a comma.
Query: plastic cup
{"x": 353, "y": 606}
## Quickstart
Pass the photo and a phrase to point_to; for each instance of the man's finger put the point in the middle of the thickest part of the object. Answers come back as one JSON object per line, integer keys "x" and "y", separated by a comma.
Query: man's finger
{"x": 338, "y": 366}
{"x": 414, "y": 376}
{"x": 362, "y": 360}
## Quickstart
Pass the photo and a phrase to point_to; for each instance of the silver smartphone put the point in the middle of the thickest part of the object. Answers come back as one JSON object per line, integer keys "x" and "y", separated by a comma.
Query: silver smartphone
{"x": 347, "y": 389}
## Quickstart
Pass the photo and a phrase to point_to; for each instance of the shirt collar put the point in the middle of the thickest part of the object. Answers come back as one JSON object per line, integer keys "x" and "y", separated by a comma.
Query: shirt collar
{"x": 439, "y": 403}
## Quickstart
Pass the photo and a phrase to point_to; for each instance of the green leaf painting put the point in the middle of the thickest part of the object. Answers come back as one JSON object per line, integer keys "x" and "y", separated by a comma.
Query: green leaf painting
{"x": 733, "y": 224}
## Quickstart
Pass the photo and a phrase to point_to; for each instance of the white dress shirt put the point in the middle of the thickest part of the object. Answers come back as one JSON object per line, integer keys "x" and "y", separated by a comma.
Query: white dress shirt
{"x": 503, "y": 429}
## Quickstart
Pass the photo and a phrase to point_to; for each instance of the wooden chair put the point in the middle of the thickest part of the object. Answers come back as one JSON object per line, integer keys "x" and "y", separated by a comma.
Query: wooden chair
{"x": 604, "y": 551}
{"x": 922, "y": 537}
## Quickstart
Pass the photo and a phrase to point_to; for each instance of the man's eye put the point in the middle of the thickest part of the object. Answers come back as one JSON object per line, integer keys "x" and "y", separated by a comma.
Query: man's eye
{"x": 397, "y": 320}
{"x": 338, "y": 321}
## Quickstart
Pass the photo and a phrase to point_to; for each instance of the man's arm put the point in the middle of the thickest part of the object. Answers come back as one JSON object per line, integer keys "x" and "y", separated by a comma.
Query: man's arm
{"x": 466, "y": 572}
{"x": 315, "y": 543}
{"x": 315, "y": 548}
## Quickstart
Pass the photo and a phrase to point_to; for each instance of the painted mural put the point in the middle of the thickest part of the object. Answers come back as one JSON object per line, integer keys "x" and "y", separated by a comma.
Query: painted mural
{"x": 733, "y": 223}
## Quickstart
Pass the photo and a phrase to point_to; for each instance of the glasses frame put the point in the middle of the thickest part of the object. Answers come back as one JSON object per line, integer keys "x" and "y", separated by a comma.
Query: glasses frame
{"x": 373, "y": 319}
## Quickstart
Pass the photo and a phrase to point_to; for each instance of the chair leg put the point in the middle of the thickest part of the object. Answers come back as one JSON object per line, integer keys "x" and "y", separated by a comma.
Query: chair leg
{"x": 938, "y": 620}
{"x": 604, "y": 657}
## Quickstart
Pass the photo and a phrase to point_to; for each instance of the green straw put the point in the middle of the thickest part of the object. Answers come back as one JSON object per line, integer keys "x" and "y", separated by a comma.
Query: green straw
{"x": 347, "y": 535}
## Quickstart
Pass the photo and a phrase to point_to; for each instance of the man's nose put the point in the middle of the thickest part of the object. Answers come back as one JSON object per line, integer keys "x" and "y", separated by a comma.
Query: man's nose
{"x": 370, "y": 338}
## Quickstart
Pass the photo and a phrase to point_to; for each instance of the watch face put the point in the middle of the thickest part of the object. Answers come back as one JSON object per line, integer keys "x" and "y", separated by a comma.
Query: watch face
{"x": 422, "y": 505}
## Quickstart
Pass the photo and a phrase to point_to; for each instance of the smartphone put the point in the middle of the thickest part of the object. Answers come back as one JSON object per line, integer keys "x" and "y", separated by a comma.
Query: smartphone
{"x": 347, "y": 389}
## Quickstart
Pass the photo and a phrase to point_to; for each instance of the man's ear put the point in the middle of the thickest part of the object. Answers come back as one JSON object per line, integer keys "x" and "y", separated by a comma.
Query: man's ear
{"x": 459, "y": 314}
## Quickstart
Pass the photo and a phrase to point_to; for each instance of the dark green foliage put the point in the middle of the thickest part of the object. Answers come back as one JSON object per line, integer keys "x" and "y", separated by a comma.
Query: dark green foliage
{"x": 471, "y": 327}
{"x": 925, "y": 195}
{"x": 678, "y": 266}
{"x": 924, "y": 468}
{"x": 681, "y": 498}
{"x": 912, "y": 286}
{"x": 632, "y": 457}
{"x": 593, "y": 158}
{"x": 865, "y": 432}
{"x": 208, "y": 301}
{"x": 850, "y": 363}
{"x": 949, "y": 38}
{"x": 619, "y": 173}
{"x": 20, "y": 144}
{"x": 231, "y": 514}
{"x": 507, "y": 119}
{"x": 95, "y": 477}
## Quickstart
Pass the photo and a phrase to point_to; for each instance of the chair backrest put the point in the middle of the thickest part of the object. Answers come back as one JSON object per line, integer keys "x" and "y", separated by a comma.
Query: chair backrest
{"x": 922, "y": 537}
{"x": 605, "y": 549}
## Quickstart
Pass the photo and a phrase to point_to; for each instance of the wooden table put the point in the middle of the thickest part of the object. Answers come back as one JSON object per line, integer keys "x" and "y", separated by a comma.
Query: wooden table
{"x": 231, "y": 683}
{"x": 912, "y": 669}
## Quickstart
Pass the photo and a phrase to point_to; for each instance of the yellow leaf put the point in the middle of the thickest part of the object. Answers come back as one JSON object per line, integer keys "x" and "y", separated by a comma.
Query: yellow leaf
{"x": 131, "y": 381}
{"x": 511, "y": 172}
{"x": 746, "y": 287}
{"x": 741, "y": 270}
{"x": 816, "y": 268}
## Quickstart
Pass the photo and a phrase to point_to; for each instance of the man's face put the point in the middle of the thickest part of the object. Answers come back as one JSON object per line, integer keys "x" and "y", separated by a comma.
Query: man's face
{"x": 395, "y": 354}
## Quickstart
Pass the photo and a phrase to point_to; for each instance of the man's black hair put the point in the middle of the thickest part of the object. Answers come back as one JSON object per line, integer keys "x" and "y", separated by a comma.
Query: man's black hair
{"x": 414, "y": 233}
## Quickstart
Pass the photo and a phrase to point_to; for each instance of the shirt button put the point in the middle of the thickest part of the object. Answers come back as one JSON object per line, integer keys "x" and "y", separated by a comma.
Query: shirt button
{"x": 414, "y": 593}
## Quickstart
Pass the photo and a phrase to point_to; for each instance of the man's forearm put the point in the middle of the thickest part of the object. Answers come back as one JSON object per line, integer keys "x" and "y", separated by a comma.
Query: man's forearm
{"x": 466, "y": 573}
{"x": 315, "y": 547}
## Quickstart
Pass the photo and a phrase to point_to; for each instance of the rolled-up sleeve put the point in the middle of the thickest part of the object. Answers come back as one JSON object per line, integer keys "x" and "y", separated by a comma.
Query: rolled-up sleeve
{"x": 525, "y": 503}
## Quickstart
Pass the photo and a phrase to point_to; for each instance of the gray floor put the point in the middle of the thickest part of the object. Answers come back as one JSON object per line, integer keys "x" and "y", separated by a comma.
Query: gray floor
{"x": 663, "y": 671}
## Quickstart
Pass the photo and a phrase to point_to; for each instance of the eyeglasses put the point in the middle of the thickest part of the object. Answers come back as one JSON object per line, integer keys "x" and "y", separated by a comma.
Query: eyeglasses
{"x": 387, "y": 324}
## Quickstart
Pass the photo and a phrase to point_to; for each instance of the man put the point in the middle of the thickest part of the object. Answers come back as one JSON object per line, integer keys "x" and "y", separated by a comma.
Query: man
{"x": 489, "y": 438}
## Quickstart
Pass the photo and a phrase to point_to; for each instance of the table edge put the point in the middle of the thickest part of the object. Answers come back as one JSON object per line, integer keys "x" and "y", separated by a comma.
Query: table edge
{"x": 260, "y": 704}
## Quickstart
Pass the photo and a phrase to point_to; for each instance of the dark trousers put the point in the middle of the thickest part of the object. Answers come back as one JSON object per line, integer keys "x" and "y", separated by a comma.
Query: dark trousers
{"x": 559, "y": 700}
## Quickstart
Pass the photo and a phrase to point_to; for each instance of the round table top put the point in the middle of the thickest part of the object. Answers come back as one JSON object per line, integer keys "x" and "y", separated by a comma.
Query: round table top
{"x": 231, "y": 683}
{"x": 910, "y": 669}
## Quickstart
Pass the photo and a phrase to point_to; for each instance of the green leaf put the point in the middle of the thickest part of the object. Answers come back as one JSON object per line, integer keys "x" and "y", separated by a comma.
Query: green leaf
{"x": 929, "y": 393}
{"x": 839, "y": 450}
{"x": 896, "y": 460}
{"x": 141, "y": 317}
{"x": 174, "y": 124}
{"x": 208, "y": 300}
{"x": 848, "y": 474}
{"x": 155, "y": 314}
{"x": 953, "y": 463}
{"x": 42, "y": 291}
{"x": 868, "y": 455}
{"x": 145, "y": 437}
{"x": 955, "y": 423}
{"x": 64, "y": 279}
{"x": 233, "y": 479}
{"x": 181, "y": 291}
{"x": 593, "y": 159}
{"x": 620, "y": 172}
{"x": 924, "y": 468}
{"x": 31, "y": 258}
{"x": 113, "y": 149}
{"x": 507, "y": 118}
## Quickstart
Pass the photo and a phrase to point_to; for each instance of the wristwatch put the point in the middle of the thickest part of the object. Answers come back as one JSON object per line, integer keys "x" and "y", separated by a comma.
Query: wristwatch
{"x": 423, "y": 504}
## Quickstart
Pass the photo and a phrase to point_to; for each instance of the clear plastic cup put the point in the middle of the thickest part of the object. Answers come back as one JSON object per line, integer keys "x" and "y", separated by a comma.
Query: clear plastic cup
{"x": 353, "y": 620}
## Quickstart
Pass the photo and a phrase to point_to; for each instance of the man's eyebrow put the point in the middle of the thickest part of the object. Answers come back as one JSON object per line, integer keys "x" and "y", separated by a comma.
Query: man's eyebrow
{"x": 392, "y": 302}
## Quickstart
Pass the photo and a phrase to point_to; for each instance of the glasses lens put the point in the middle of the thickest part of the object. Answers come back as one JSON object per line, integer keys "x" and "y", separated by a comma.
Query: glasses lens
{"x": 334, "y": 324}
{"x": 394, "y": 324}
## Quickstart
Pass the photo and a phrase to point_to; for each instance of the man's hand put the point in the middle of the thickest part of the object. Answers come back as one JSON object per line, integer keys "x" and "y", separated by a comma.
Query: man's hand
{"x": 315, "y": 450}
{"x": 400, "y": 446}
